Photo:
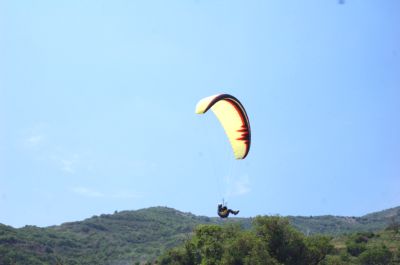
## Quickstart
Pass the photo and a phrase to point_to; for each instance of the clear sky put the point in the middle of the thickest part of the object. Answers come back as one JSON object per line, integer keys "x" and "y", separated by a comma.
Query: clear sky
{"x": 97, "y": 104}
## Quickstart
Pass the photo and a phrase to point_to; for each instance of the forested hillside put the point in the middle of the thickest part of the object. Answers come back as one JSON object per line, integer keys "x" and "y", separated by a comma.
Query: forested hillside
{"x": 118, "y": 238}
{"x": 130, "y": 237}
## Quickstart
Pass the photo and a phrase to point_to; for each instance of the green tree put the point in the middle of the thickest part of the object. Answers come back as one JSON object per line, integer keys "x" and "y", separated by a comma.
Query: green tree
{"x": 357, "y": 243}
{"x": 317, "y": 248}
{"x": 333, "y": 260}
{"x": 380, "y": 255}
{"x": 259, "y": 256}
{"x": 245, "y": 248}
{"x": 208, "y": 240}
{"x": 285, "y": 243}
{"x": 173, "y": 257}
{"x": 355, "y": 249}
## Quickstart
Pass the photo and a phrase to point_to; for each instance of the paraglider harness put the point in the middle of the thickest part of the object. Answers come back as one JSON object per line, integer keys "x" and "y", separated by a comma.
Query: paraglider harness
{"x": 223, "y": 210}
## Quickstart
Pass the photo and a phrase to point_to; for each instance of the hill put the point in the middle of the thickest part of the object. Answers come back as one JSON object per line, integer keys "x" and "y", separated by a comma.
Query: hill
{"x": 128, "y": 237}
{"x": 336, "y": 225}
{"x": 119, "y": 238}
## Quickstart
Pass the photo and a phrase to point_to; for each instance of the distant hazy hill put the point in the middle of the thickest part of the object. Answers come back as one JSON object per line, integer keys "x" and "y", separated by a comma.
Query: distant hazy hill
{"x": 335, "y": 225}
{"x": 132, "y": 236}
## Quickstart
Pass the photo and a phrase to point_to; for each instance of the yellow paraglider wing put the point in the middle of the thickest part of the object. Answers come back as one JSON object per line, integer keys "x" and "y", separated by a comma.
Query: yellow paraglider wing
{"x": 233, "y": 118}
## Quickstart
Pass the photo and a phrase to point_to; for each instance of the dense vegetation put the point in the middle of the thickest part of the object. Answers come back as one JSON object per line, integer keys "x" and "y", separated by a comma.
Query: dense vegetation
{"x": 273, "y": 241}
{"x": 134, "y": 237}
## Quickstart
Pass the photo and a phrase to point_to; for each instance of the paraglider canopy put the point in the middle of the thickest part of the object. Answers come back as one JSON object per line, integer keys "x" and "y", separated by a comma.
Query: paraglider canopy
{"x": 233, "y": 118}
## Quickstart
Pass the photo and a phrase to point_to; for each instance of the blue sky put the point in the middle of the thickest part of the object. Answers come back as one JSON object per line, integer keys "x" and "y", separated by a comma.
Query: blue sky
{"x": 97, "y": 106}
